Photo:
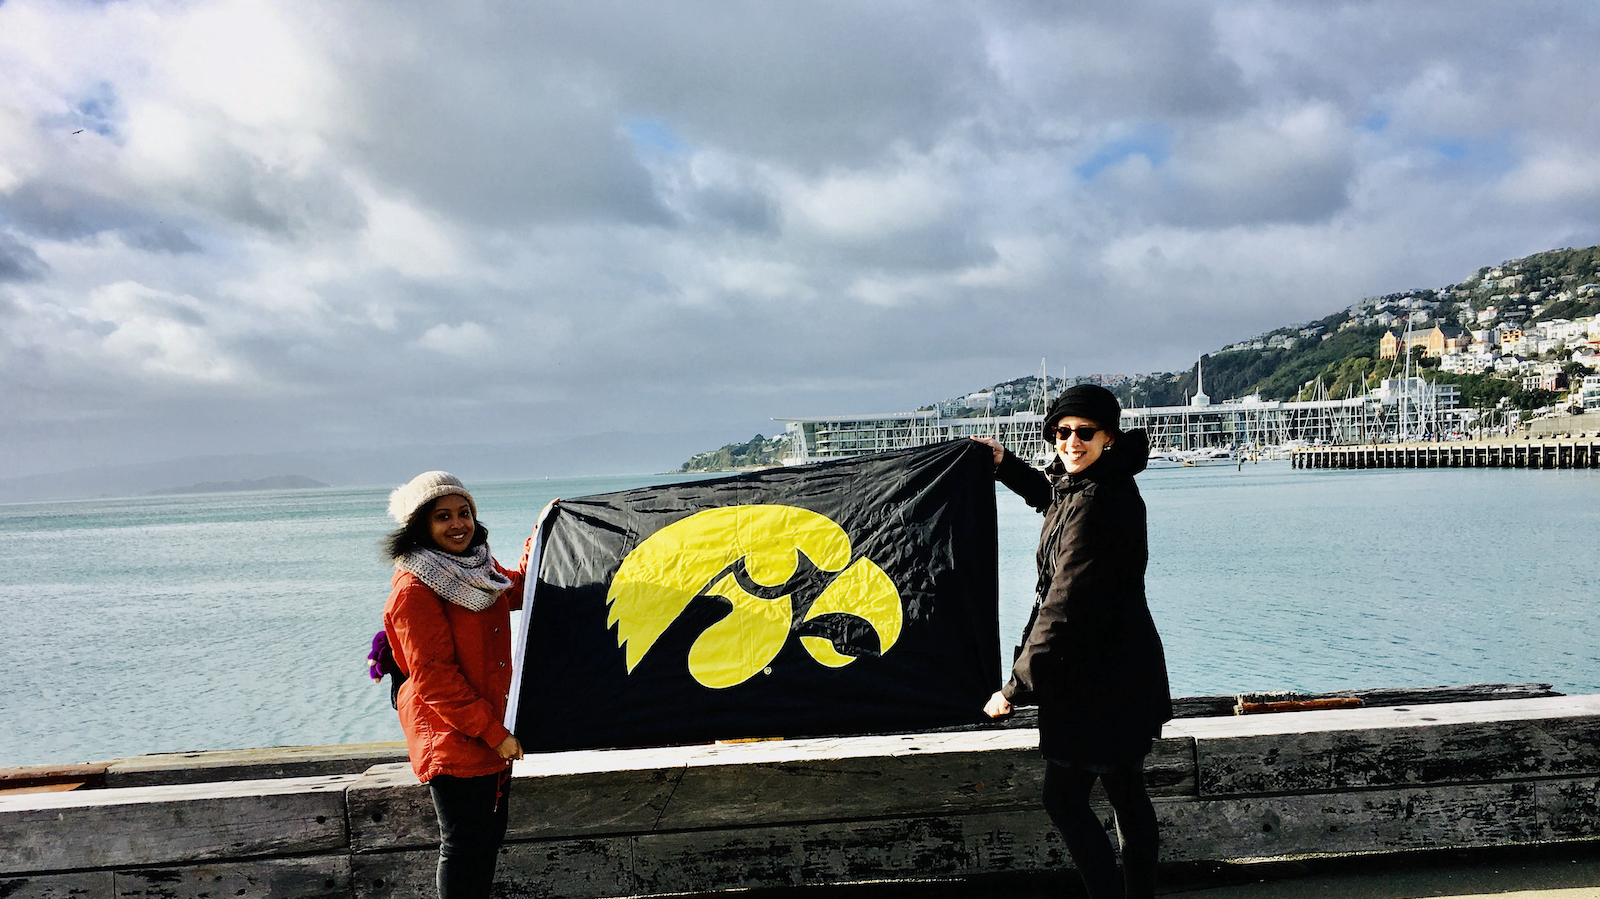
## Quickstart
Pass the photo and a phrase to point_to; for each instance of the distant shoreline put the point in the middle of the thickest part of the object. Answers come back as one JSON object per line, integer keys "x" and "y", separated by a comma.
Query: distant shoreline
{"x": 278, "y": 482}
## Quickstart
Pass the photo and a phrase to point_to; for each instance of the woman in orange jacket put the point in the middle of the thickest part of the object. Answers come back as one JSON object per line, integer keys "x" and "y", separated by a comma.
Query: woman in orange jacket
{"x": 448, "y": 622}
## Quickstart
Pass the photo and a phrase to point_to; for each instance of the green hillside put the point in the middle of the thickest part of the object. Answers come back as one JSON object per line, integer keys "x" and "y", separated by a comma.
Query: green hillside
{"x": 757, "y": 452}
{"x": 1336, "y": 356}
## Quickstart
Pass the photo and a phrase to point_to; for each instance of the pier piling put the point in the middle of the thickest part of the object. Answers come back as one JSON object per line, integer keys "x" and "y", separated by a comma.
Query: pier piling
{"x": 1546, "y": 453}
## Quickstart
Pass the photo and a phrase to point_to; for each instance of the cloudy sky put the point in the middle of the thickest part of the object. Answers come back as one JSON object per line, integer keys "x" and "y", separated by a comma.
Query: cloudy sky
{"x": 241, "y": 226}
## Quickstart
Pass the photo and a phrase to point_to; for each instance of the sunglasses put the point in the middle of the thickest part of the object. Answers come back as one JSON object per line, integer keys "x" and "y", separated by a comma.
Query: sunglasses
{"x": 1085, "y": 432}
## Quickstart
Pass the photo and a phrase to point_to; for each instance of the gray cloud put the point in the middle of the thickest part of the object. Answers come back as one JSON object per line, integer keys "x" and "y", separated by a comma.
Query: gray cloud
{"x": 18, "y": 262}
{"x": 292, "y": 227}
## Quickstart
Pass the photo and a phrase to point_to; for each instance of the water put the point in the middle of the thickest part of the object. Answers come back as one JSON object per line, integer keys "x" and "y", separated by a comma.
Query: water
{"x": 229, "y": 621}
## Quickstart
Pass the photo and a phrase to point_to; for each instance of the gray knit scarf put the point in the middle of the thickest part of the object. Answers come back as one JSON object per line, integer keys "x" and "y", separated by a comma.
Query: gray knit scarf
{"x": 471, "y": 581}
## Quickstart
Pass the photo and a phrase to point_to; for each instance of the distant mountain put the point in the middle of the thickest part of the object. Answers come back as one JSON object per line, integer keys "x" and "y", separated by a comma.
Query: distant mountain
{"x": 386, "y": 466}
{"x": 277, "y": 482}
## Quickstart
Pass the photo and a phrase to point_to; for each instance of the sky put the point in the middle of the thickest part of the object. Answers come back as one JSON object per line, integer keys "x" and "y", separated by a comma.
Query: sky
{"x": 230, "y": 226}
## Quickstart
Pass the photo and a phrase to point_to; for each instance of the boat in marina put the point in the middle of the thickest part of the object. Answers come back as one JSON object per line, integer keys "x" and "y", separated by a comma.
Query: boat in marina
{"x": 1210, "y": 455}
{"x": 1194, "y": 458}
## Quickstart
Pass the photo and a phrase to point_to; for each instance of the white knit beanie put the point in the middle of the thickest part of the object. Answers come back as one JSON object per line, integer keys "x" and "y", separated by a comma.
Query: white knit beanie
{"x": 423, "y": 489}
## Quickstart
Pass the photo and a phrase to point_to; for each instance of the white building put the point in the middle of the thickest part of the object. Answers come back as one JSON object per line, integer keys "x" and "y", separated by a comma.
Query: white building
{"x": 1467, "y": 363}
{"x": 1589, "y": 393}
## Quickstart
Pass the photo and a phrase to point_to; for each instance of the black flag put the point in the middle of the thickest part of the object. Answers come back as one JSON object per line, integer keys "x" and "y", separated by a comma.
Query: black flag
{"x": 846, "y": 597}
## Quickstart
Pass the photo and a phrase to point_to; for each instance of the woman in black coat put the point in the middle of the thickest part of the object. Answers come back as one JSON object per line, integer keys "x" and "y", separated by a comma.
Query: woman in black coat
{"x": 1090, "y": 658}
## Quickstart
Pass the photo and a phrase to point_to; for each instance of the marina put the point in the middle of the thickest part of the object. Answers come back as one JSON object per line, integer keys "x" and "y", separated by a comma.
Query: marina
{"x": 1577, "y": 452}
{"x": 1399, "y": 409}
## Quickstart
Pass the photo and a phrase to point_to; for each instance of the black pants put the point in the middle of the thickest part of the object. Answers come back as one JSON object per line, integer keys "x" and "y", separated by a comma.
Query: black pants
{"x": 1066, "y": 798}
{"x": 472, "y": 824}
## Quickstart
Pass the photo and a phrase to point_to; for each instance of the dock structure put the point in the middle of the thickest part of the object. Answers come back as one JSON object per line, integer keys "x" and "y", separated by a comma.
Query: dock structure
{"x": 646, "y": 822}
{"x": 1249, "y": 422}
{"x": 1252, "y": 423}
{"x": 1583, "y": 452}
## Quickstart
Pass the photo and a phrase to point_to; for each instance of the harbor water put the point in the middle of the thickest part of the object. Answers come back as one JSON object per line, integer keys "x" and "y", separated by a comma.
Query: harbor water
{"x": 228, "y": 621}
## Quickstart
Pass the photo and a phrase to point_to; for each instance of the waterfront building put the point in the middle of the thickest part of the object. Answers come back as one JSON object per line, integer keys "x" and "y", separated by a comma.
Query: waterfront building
{"x": 842, "y": 436}
{"x": 1589, "y": 393}
{"x": 1401, "y": 408}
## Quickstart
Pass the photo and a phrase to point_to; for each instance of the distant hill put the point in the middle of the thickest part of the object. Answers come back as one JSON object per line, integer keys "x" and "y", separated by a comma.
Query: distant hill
{"x": 279, "y": 482}
{"x": 1339, "y": 352}
{"x": 757, "y": 452}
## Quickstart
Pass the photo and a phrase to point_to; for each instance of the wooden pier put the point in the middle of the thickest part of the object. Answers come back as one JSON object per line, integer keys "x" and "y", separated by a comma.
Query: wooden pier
{"x": 1572, "y": 452}
{"x": 646, "y": 822}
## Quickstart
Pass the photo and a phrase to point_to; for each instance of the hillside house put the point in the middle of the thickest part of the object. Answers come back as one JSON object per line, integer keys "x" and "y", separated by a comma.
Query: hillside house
{"x": 1445, "y": 338}
{"x": 1435, "y": 342}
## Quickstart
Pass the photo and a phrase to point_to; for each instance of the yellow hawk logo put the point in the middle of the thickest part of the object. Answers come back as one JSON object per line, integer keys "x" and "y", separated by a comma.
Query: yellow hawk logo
{"x": 760, "y": 559}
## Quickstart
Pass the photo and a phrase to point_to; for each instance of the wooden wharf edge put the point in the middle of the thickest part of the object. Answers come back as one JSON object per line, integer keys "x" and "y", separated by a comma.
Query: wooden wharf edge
{"x": 829, "y": 811}
{"x": 1548, "y": 453}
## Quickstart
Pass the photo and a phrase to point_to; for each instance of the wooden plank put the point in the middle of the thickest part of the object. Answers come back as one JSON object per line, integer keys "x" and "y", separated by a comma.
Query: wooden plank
{"x": 316, "y": 877}
{"x": 76, "y": 885}
{"x": 1470, "y": 752}
{"x": 1569, "y": 809}
{"x": 946, "y": 846}
{"x": 1380, "y": 718}
{"x": 1345, "y": 749}
{"x": 804, "y": 855}
{"x": 388, "y": 808}
{"x": 550, "y": 797}
{"x": 563, "y": 869}
{"x": 850, "y": 788}
{"x": 251, "y": 764}
{"x": 92, "y": 774}
{"x": 581, "y": 794}
{"x": 166, "y": 825}
{"x": 58, "y": 787}
{"x": 1479, "y": 815}
{"x": 1464, "y": 816}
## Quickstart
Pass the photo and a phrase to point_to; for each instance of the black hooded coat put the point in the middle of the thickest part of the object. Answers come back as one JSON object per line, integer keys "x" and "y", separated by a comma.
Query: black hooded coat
{"x": 1090, "y": 658}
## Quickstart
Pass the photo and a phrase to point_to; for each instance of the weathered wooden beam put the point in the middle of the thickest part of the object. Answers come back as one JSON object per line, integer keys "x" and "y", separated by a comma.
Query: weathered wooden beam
{"x": 1018, "y": 840}
{"x": 824, "y": 811}
{"x": 251, "y": 764}
{"x": 74, "y": 885}
{"x": 167, "y": 825}
{"x": 90, "y": 775}
{"x": 703, "y": 787}
{"x": 1357, "y": 748}
{"x": 1377, "y": 821}
{"x": 561, "y": 869}
{"x": 316, "y": 877}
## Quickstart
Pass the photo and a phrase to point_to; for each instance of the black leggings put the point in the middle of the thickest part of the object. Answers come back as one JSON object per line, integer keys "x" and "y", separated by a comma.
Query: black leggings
{"x": 1066, "y": 798}
{"x": 472, "y": 824}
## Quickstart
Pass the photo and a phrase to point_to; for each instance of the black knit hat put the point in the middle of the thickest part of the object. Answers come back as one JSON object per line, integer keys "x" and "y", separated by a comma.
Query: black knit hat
{"x": 1090, "y": 401}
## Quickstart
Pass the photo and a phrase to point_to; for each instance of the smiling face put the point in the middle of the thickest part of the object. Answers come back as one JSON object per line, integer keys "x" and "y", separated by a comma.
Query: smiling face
{"x": 450, "y": 523}
{"x": 1076, "y": 453}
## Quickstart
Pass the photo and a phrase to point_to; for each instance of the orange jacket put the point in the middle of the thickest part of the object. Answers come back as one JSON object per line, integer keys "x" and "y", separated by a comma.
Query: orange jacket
{"x": 458, "y": 668}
